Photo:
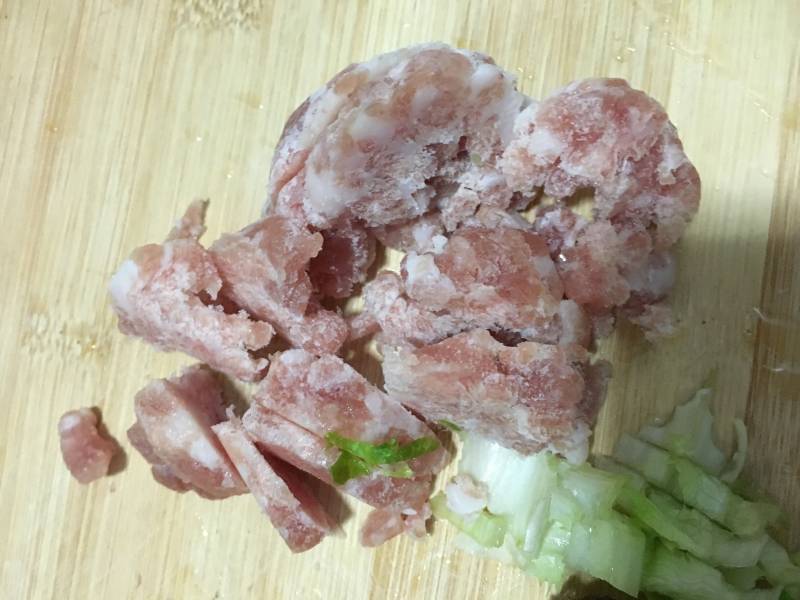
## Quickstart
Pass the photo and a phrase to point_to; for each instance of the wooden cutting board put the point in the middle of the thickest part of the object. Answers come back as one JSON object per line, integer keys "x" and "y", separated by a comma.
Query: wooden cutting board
{"x": 113, "y": 117}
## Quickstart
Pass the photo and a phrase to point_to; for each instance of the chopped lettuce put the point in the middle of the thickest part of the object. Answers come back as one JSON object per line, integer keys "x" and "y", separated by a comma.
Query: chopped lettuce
{"x": 659, "y": 517}
{"x": 736, "y": 464}
{"x": 362, "y": 458}
{"x": 695, "y": 487}
{"x": 485, "y": 528}
{"x": 610, "y": 548}
{"x": 689, "y": 433}
{"x": 679, "y": 575}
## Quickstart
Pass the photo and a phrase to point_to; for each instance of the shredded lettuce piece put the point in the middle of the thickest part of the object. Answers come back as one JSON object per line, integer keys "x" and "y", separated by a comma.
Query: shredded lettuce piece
{"x": 486, "y": 529}
{"x": 778, "y": 567}
{"x": 633, "y": 480}
{"x": 735, "y": 466}
{"x": 743, "y": 578}
{"x": 680, "y": 576}
{"x": 693, "y": 486}
{"x": 517, "y": 484}
{"x": 594, "y": 490}
{"x": 611, "y": 548}
{"x": 712, "y": 543}
{"x": 362, "y": 458}
{"x": 550, "y": 565}
{"x": 689, "y": 433}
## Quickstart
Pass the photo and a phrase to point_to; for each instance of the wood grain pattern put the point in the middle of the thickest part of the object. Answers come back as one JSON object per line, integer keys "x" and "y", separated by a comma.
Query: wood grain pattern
{"x": 112, "y": 118}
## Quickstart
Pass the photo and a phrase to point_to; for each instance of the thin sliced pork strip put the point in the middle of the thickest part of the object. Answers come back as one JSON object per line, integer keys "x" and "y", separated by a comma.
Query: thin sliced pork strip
{"x": 278, "y": 488}
{"x": 310, "y": 453}
{"x": 173, "y": 432}
{"x": 528, "y": 398}
{"x": 86, "y": 453}
{"x": 324, "y": 394}
{"x": 264, "y": 270}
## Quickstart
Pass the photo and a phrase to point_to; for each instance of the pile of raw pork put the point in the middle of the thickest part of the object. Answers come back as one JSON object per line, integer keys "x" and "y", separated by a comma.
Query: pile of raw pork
{"x": 488, "y": 325}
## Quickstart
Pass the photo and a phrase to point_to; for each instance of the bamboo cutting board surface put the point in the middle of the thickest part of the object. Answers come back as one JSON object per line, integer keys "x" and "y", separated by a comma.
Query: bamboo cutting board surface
{"x": 112, "y": 118}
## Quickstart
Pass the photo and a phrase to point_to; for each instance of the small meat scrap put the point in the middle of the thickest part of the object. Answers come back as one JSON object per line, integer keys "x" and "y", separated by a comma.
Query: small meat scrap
{"x": 347, "y": 254}
{"x": 86, "y": 453}
{"x": 422, "y": 234}
{"x": 310, "y": 453}
{"x": 387, "y": 139}
{"x": 529, "y": 397}
{"x": 382, "y": 524}
{"x": 264, "y": 271}
{"x": 164, "y": 294}
{"x": 325, "y": 395}
{"x": 279, "y": 489}
{"x": 399, "y": 319}
{"x": 173, "y": 432}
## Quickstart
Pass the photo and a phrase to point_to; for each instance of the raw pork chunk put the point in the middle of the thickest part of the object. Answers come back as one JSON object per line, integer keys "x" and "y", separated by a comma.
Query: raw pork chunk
{"x": 263, "y": 268}
{"x": 601, "y": 134}
{"x": 386, "y": 140}
{"x": 529, "y": 397}
{"x": 173, "y": 432}
{"x": 501, "y": 279}
{"x": 310, "y": 453}
{"x": 326, "y": 395}
{"x": 164, "y": 294}
{"x": 279, "y": 489}
{"x": 86, "y": 453}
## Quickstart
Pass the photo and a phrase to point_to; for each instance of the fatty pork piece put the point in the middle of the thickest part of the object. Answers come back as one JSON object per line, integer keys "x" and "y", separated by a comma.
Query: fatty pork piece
{"x": 501, "y": 279}
{"x": 173, "y": 432}
{"x": 528, "y": 398}
{"x": 164, "y": 294}
{"x": 279, "y": 489}
{"x": 324, "y": 395}
{"x": 86, "y": 453}
{"x": 263, "y": 268}
{"x": 386, "y": 140}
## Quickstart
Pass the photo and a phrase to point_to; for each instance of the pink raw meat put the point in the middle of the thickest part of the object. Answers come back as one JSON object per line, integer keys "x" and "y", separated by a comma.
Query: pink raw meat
{"x": 163, "y": 294}
{"x": 173, "y": 432}
{"x": 279, "y": 489}
{"x": 263, "y": 268}
{"x": 382, "y": 524}
{"x": 310, "y": 453}
{"x": 529, "y": 397}
{"x": 326, "y": 395}
{"x": 160, "y": 470}
{"x": 342, "y": 264}
{"x": 600, "y": 133}
{"x": 422, "y": 234}
{"x": 387, "y": 138}
{"x": 501, "y": 279}
{"x": 85, "y": 452}
{"x": 400, "y": 320}
{"x": 192, "y": 225}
